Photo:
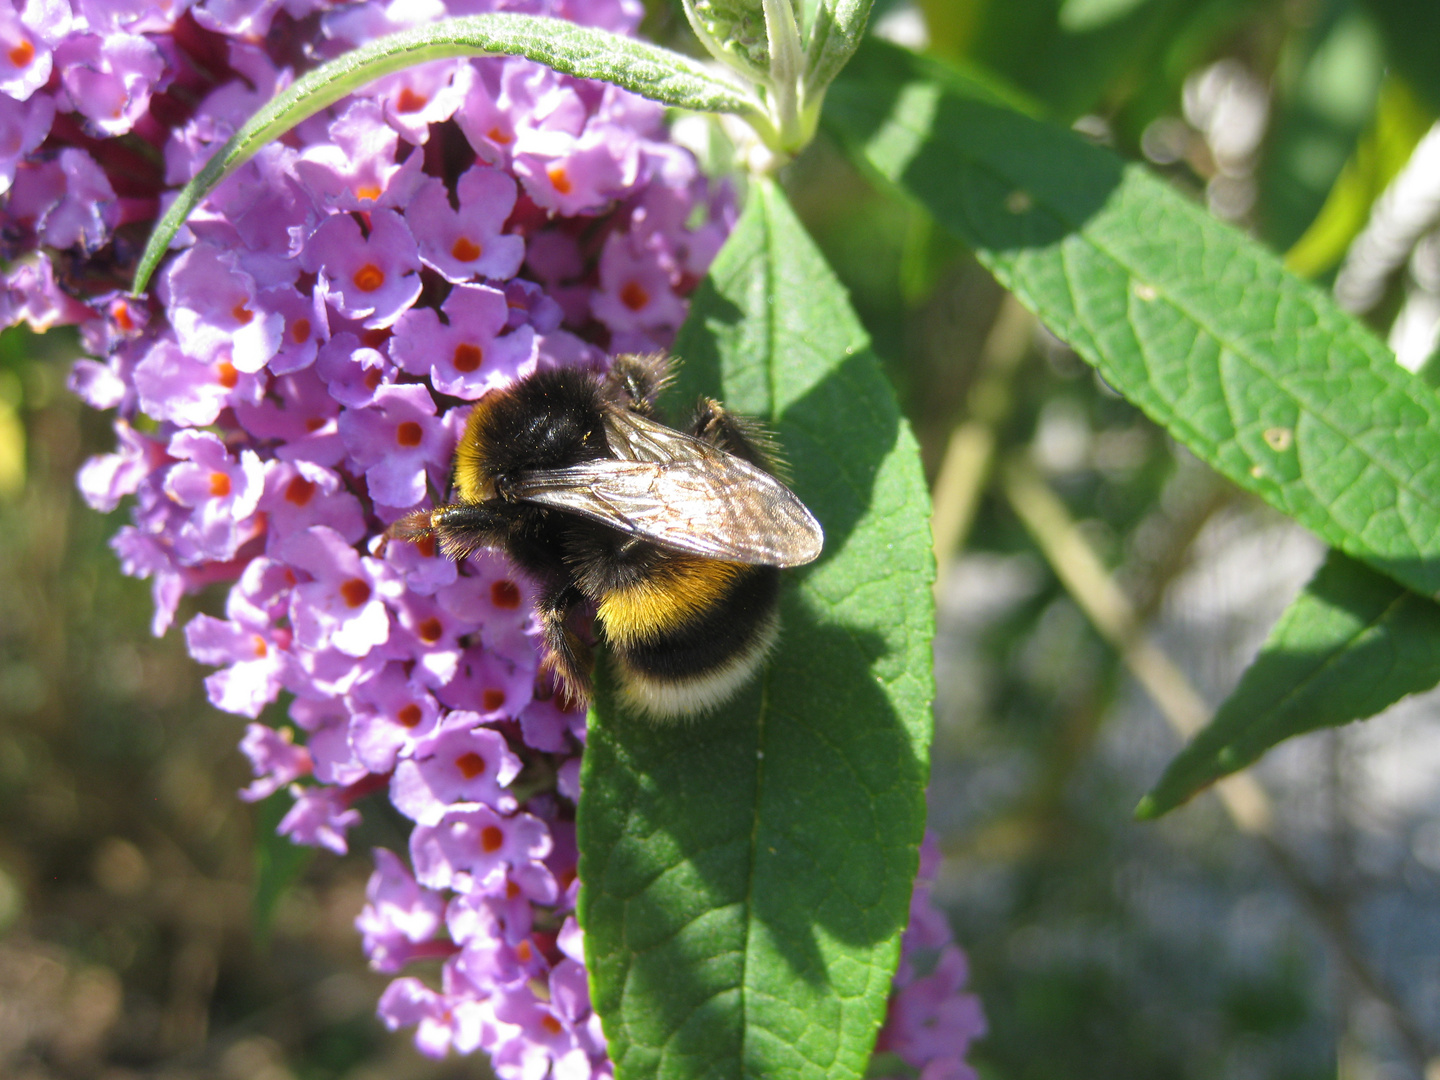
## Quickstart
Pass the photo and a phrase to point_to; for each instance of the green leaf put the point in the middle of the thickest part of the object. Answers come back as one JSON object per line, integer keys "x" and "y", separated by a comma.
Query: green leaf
{"x": 1254, "y": 370}
{"x": 648, "y": 70}
{"x": 1353, "y": 643}
{"x": 279, "y": 862}
{"x": 835, "y": 34}
{"x": 747, "y": 875}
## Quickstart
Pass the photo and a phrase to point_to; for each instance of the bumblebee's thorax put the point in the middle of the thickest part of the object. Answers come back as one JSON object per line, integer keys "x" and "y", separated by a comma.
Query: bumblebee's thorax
{"x": 548, "y": 421}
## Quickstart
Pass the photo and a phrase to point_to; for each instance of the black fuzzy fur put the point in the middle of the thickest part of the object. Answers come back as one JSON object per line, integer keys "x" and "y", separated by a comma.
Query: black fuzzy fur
{"x": 553, "y": 419}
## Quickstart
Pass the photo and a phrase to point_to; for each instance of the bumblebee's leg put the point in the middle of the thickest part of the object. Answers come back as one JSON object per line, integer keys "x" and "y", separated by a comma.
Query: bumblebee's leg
{"x": 636, "y": 381}
{"x": 742, "y": 436}
{"x": 568, "y": 659}
{"x": 457, "y": 529}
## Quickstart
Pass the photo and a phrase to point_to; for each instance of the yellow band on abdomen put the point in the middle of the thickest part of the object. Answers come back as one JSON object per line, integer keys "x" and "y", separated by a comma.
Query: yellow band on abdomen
{"x": 668, "y": 596}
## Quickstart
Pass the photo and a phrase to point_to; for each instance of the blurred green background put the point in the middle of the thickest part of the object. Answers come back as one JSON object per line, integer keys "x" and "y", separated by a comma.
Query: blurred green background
{"x": 130, "y": 944}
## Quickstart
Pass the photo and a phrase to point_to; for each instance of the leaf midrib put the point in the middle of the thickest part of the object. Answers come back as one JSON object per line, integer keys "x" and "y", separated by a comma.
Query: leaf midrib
{"x": 1077, "y": 229}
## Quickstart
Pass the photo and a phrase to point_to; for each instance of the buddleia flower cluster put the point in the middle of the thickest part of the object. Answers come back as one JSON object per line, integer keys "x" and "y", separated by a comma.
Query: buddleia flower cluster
{"x": 296, "y": 381}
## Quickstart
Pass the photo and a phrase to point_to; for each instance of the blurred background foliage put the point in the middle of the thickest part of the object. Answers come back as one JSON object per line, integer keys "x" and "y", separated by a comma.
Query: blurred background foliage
{"x": 150, "y": 928}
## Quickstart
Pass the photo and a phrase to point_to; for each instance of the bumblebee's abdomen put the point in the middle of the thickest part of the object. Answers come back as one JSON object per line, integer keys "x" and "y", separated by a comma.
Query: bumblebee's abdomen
{"x": 687, "y": 638}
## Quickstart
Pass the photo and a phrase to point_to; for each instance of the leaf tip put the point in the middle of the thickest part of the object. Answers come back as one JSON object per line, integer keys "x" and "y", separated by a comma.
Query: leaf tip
{"x": 1148, "y": 808}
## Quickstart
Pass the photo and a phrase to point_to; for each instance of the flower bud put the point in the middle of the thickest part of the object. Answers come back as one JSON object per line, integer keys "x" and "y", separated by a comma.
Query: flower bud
{"x": 734, "y": 31}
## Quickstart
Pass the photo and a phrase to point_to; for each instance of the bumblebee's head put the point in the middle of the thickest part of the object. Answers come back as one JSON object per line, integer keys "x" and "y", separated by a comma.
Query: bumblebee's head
{"x": 548, "y": 421}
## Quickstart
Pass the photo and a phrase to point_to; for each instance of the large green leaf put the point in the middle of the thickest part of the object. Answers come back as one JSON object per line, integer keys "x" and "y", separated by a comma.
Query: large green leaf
{"x": 1253, "y": 369}
{"x": 746, "y": 876}
{"x": 646, "y": 69}
{"x": 1352, "y": 644}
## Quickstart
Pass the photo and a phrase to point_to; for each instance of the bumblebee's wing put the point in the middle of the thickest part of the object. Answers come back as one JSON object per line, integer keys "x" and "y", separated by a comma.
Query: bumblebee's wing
{"x": 638, "y": 438}
{"x": 712, "y": 504}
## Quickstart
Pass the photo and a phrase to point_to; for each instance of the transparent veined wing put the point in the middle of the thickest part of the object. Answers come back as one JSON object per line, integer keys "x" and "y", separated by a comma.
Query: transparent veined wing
{"x": 701, "y": 500}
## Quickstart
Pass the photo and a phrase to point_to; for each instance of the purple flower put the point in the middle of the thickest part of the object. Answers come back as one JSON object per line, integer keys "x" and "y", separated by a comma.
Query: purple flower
{"x": 341, "y": 606}
{"x": 467, "y": 242}
{"x": 464, "y": 356}
{"x": 277, "y": 761}
{"x": 396, "y": 442}
{"x": 26, "y": 36}
{"x": 391, "y": 715}
{"x": 68, "y": 202}
{"x": 931, "y": 1021}
{"x": 23, "y": 126}
{"x": 213, "y": 310}
{"x": 418, "y": 97}
{"x": 300, "y": 494}
{"x": 254, "y": 664}
{"x": 319, "y": 818}
{"x": 300, "y": 414}
{"x": 468, "y": 850}
{"x": 176, "y": 387}
{"x": 357, "y": 169}
{"x": 460, "y": 762}
{"x": 222, "y": 493}
{"x": 441, "y": 1021}
{"x": 106, "y": 478}
{"x": 398, "y": 915}
{"x": 635, "y": 291}
{"x": 371, "y": 278}
{"x": 109, "y": 79}
{"x": 291, "y": 389}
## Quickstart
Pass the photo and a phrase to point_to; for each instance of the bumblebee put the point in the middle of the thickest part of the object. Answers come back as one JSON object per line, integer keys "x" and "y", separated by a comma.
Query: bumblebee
{"x": 674, "y": 538}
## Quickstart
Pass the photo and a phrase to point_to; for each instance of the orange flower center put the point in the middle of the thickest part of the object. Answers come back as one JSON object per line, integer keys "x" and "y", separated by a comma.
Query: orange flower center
{"x": 505, "y": 594}
{"x": 20, "y": 55}
{"x": 560, "y": 178}
{"x": 470, "y": 765}
{"x": 465, "y": 249}
{"x": 219, "y": 485}
{"x": 491, "y": 838}
{"x": 299, "y": 491}
{"x": 355, "y": 592}
{"x": 634, "y": 296}
{"x": 467, "y": 357}
{"x": 300, "y": 331}
{"x": 492, "y": 699}
{"x": 431, "y": 630}
{"x": 409, "y": 433}
{"x": 369, "y": 278}
{"x": 409, "y": 101}
{"x": 226, "y": 375}
{"x": 241, "y": 314}
{"x": 410, "y": 715}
